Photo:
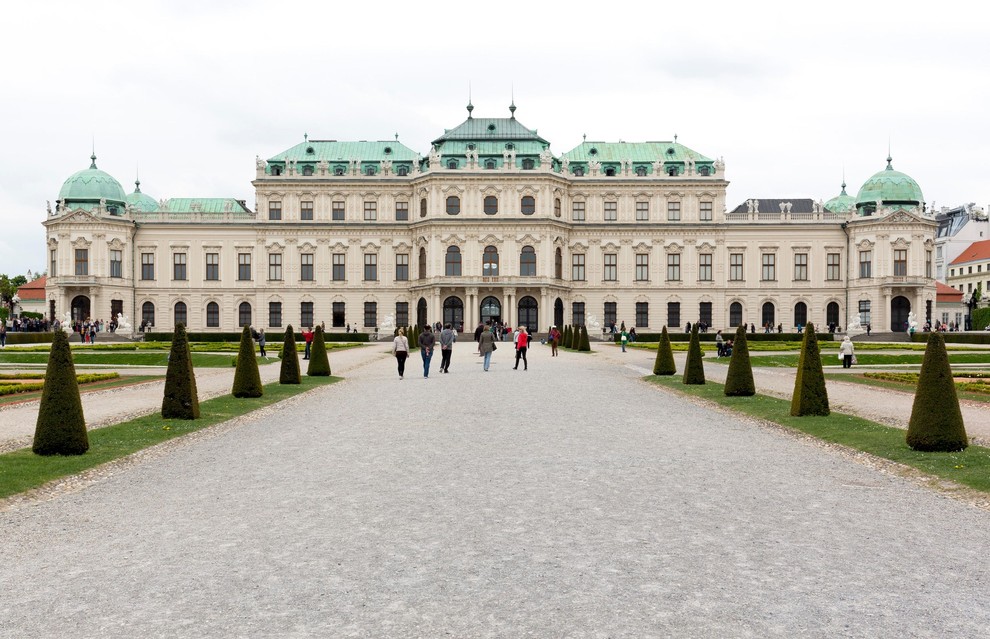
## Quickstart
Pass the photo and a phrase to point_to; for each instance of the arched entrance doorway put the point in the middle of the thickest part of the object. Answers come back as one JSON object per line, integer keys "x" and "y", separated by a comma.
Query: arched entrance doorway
{"x": 900, "y": 307}
{"x": 80, "y": 308}
{"x": 529, "y": 314}
{"x": 832, "y": 313}
{"x": 800, "y": 314}
{"x": 421, "y": 313}
{"x": 768, "y": 315}
{"x": 453, "y": 313}
{"x": 558, "y": 312}
{"x": 491, "y": 309}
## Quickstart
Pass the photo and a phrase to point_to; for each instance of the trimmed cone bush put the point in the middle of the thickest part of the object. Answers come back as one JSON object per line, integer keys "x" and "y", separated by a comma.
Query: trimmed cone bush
{"x": 936, "y": 422}
{"x": 181, "y": 401}
{"x": 565, "y": 337}
{"x": 61, "y": 426}
{"x": 289, "y": 374}
{"x": 694, "y": 369}
{"x": 585, "y": 344}
{"x": 319, "y": 364}
{"x": 664, "y": 363}
{"x": 247, "y": 379}
{"x": 739, "y": 379}
{"x": 810, "y": 396}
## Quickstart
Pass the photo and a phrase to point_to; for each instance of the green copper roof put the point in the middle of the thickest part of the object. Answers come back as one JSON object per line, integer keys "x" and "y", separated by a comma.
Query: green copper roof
{"x": 482, "y": 129}
{"x": 841, "y": 203}
{"x": 890, "y": 187}
{"x": 204, "y": 205}
{"x": 334, "y": 151}
{"x": 91, "y": 185}
{"x": 643, "y": 152}
{"x": 141, "y": 201}
{"x": 489, "y": 148}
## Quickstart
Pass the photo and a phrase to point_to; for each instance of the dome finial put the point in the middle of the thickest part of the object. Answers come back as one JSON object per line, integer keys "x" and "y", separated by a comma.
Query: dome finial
{"x": 470, "y": 107}
{"x": 890, "y": 167}
{"x": 137, "y": 178}
{"x": 843, "y": 180}
{"x": 512, "y": 104}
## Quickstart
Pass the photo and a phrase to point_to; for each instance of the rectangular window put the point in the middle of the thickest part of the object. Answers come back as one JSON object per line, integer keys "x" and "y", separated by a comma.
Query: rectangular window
{"x": 577, "y": 267}
{"x": 577, "y": 211}
{"x": 769, "y": 272}
{"x": 306, "y": 314}
{"x": 928, "y": 264}
{"x": 116, "y": 263}
{"x": 900, "y": 262}
{"x": 213, "y": 266}
{"x": 864, "y": 312}
{"x": 244, "y": 267}
{"x": 370, "y": 268}
{"x": 577, "y": 313}
{"x": 274, "y": 210}
{"x": 178, "y": 266}
{"x": 339, "y": 267}
{"x": 674, "y": 267}
{"x": 736, "y": 267}
{"x": 673, "y": 314}
{"x": 147, "y": 265}
{"x": 402, "y": 211}
{"x": 642, "y": 314}
{"x": 611, "y": 211}
{"x": 370, "y": 314}
{"x": 82, "y": 262}
{"x": 705, "y": 313}
{"x": 370, "y": 213}
{"x": 402, "y": 267}
{"x": 611, "y": 314}
{"x": 800, "y": 267}
{"x": 611, "y": 272}
{"x": 274, "y": 266}
{"x": 53, "y": 257}
{"x": 642, "y": 211}
{"x": 337, "y": 315}
{"x": 274, "y": 313}
{"x": 704, "y": 267}
{"x": 673, "y": 211}
{"x": 337, "y": 211}
{"x": 642, "y": 267}
{"x": 306, "y": 210}
{"x": 306, "y": 267}
{"x": 705, "y": 212}
{"x": 402, "y": 313}
{"x": 866, "y": 264}
{"x": 833, "y": 267}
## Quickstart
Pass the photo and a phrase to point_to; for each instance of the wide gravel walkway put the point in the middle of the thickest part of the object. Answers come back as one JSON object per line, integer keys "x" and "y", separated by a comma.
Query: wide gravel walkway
{"x": 570, "y": 500}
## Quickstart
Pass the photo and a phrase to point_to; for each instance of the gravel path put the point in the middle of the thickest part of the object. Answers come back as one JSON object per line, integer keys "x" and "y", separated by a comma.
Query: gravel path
{"x": 567, "y": 500}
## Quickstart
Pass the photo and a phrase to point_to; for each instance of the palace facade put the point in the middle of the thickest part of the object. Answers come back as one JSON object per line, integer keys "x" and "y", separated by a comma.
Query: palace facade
{"x": 490, "y": 224}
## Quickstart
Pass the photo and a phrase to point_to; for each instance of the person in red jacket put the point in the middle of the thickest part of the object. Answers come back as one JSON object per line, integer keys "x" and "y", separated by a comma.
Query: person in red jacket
{"x": 308, "y": 336}
{"x": 522, "y": 343}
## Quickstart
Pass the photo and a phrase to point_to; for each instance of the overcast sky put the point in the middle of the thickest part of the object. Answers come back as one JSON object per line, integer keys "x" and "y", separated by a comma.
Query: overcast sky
{"x": 192, "y": 91}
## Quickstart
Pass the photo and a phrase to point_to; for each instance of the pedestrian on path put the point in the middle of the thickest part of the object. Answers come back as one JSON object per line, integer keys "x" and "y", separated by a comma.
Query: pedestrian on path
{"x": 400, "y": 349}
{"x": 261, "y": 342}
{"x": 447, "y": 338}
{"x": 427, "y": 340}
{"x": 554, "y": 338}
{"x": 623, "y": 338}
{"x": 486, "y": 345}
{"x": 847, "y": 352}
{"x": 522, "y": 345}
{"x": 308, "y": 336}
{"x": 719, "y": 344}
{"x": 3, "y": 334}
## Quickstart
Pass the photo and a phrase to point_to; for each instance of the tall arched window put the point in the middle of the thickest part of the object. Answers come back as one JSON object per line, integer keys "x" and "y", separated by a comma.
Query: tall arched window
{"x": 148, "y": 313}
{"x": 800, "y": 314}
{"x": 422, "y": 263}
{"x": 832, "y": 313}
{"x": 244, "y": 314}
{"x": 491, "y": 205}
{"x": 528, "y": 315}
{"x": 422, "y": 207}
{"x": 453, "y": 205}
{"x": 212, "y": 315}
{"x": 558, "y": 264}
{"x": 768, "y": 315}
{"x": 527, "y": 262}
{"x": 489, "y": 262}
{"x": 181, "y": 316}
{"x": 528, "y": 205}
{"x": 735, "y": 314}
{"x": 453, "y": 261}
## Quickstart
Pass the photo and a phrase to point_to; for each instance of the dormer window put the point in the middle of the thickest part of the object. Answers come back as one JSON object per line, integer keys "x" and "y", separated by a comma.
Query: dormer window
{"x": 490, "y": 164}
{"x": 579, "y": 171}
{"x": 310, "y": 150}
{"x": 528, "y": 164}
{"x": 641, "y": 171}
{"x": 509, "y": 146}
{"x": 402, "y": 170}
{"x": 610, "y": 171}
{"x": 369, "y": 170}
{"x": 705, "y": 170}
{"x": 308, "y": 169}
{"x": 593, "y": 151}
{"x": 451, "y": 164}
{"x": 672, "y": 171}
{"x": 276, "y": 170}
{"x": 338, "y": 170}
{"x": 387, "y": 150}
{"x": 491, "y": 128}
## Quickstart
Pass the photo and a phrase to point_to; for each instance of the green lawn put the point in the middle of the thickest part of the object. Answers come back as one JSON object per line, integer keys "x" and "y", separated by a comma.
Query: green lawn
{"x": 22, "y": 470}
{"x": 90, "y": 387}
{"x": 769, "y": 347}
{"x": 902, "y": 386}
{"x": 970, "y": 468}
{"x": 195, "y": 347}
{"x": 868, "y": 359}
{"x": 127, "y": 358}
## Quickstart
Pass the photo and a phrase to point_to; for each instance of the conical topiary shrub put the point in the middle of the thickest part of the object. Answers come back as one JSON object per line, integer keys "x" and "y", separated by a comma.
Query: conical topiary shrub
{"x": 739, "y": 380}
{"x": 565, "y": 337}
{"x": 247, "y": 379}
{"x": 181, "y": 401}
{"x": 61, "y": 426}
{"x": 319, "y": 364}
{"x": 413, "y": 336}
{"x": 664, "y": 363}
{"x": 810, "y": 396}
{"x": 289, "y": 374}
{"x": 694, "y": 369}
{"x": 936, "y": 422}
{"x": 585, "y": 344}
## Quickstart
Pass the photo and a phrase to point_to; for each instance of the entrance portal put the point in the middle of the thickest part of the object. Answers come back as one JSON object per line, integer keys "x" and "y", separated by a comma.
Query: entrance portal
{"x": 421, "y": 313}
{"x": 528, "y": 315}
{"x": 491, "y": 309}
{"x": 80, "y": 308}
{"x": 453, "y": 313}
{"x": 558, "y": 313}
{"x": 900, "y": 307}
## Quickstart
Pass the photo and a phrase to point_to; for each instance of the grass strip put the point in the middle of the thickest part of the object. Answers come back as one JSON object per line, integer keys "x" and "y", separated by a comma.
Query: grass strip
{"x": 22, "y": 470}
{"x": 969, "y": 468}
{"x": 907, "y": 387}
{"x": 866, "y": 359}
{"x": 200, "y": 360}
{"x": 769, "y": 347}
{"x": 88, "y": 387}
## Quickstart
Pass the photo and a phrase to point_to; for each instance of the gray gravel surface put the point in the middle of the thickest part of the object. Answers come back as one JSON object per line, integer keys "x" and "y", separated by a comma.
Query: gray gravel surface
{"x": 570, "y": 500}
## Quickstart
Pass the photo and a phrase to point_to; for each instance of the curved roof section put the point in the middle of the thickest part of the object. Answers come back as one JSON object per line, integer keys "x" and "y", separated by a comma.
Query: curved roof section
{"x": 490, "y": 129}
{"x": 334, "y": 151}
{"x": 141, "y": 201}
{"x": 841, "y": 203}
{"x": 890, "y": 187}
{"x": 91, "y": 185}
{"x": 635, "y": 151}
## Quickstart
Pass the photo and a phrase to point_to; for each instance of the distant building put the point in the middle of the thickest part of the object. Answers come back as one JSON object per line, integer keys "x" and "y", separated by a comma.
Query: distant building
{"x": 32, "y": 296}
{"x": 951, "y": 308}
{"x": 971, "y": 269}
{"x": 958, "y": 227}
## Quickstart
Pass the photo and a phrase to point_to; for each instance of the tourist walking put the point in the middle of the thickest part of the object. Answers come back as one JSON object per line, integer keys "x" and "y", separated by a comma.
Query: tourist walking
{"x": 554, "y": 338}
{"x": 3, "y": 334}
{"x": 719, "y": 344}
{"x": 447, "y": 338}
{"x": 847, "y": 352}
{"x": 308, "y": 336}
{"x": 261, "y": 342}
{"x": 522, "y": 345}
{"x": 486, "y": 345}
{"x": 427, "y": 340}
{"x": 400, "y": 349}
{"x": 623, "y": 338}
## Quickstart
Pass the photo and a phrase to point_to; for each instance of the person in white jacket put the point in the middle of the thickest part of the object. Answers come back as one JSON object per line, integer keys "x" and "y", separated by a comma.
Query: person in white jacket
{"x": 847, "y": 351}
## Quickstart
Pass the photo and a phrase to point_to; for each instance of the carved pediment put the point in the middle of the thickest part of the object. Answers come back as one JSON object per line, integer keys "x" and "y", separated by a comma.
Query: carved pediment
{"x": 642, "y": 247}
{"x": 673, "y": 247}
{"x": 371, "y": 245}
{"x": 452, "y": 238}
{"x": 527, "y": 239}
{"x": 81, "y": 242}
{"x": 306, "y": 247}
{"x": 900, "y": 217}
{"x": 275, "y": 247}
{"x": 900, "y": 243}
{"x": 578, "y": 246}
{"x": 338, "y": 247}
{"x": 705, "y": 247}
{"x": 491, "y": 239}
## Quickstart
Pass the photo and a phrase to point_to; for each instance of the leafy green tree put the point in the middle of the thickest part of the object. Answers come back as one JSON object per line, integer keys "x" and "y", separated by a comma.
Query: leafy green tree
{"x": 810, "y": 395}
{"x": 739, "y": 380}
{"x": 936, "y": 422}
{"x": 319, "y": 363}
{"x": 247, "y": 378}
{"x": 181, "y": 401}
{"x": 61, "y": 425}
{"x": 694, "y": 369}
{"x": 289, "y": 374}
{"x": 664, "y": 363}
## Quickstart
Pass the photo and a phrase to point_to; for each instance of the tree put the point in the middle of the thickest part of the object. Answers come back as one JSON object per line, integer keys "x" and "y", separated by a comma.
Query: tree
{"x": 289, "y": 373}
{"x": 247, "y": 378}
{"x": 319, "y": 364}
{"x": 61, "y": 425}
{"x": 694, "y": 369}
{"x": 739, "y": 379}
{"x": 585, "y": 344}
{"x": 810, "y": 396}
{"x": 664, "y": 363}
{"x": 936, "y": 422}
{"x": 181, "y": 401}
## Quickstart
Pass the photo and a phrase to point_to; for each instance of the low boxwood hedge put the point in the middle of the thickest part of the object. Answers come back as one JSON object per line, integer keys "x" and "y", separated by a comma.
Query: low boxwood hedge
{"x": 236, "y": 337}
{"x": 956, "y": 338}
{"x": 29, "y": 338}
{"x": 728, "y": 334}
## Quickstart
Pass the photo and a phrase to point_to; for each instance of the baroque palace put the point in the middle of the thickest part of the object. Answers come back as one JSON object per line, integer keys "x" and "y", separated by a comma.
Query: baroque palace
{"x": 491, "y": 224}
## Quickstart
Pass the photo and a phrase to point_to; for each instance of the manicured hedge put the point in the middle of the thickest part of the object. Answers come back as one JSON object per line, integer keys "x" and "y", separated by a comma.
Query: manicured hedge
{"x": 956, "y": 338}
{"x": 727, "y": 333}
{"x": 981, "y": 318}
{"x": 236, "y": 337}
{"x": 30, "y": 338}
